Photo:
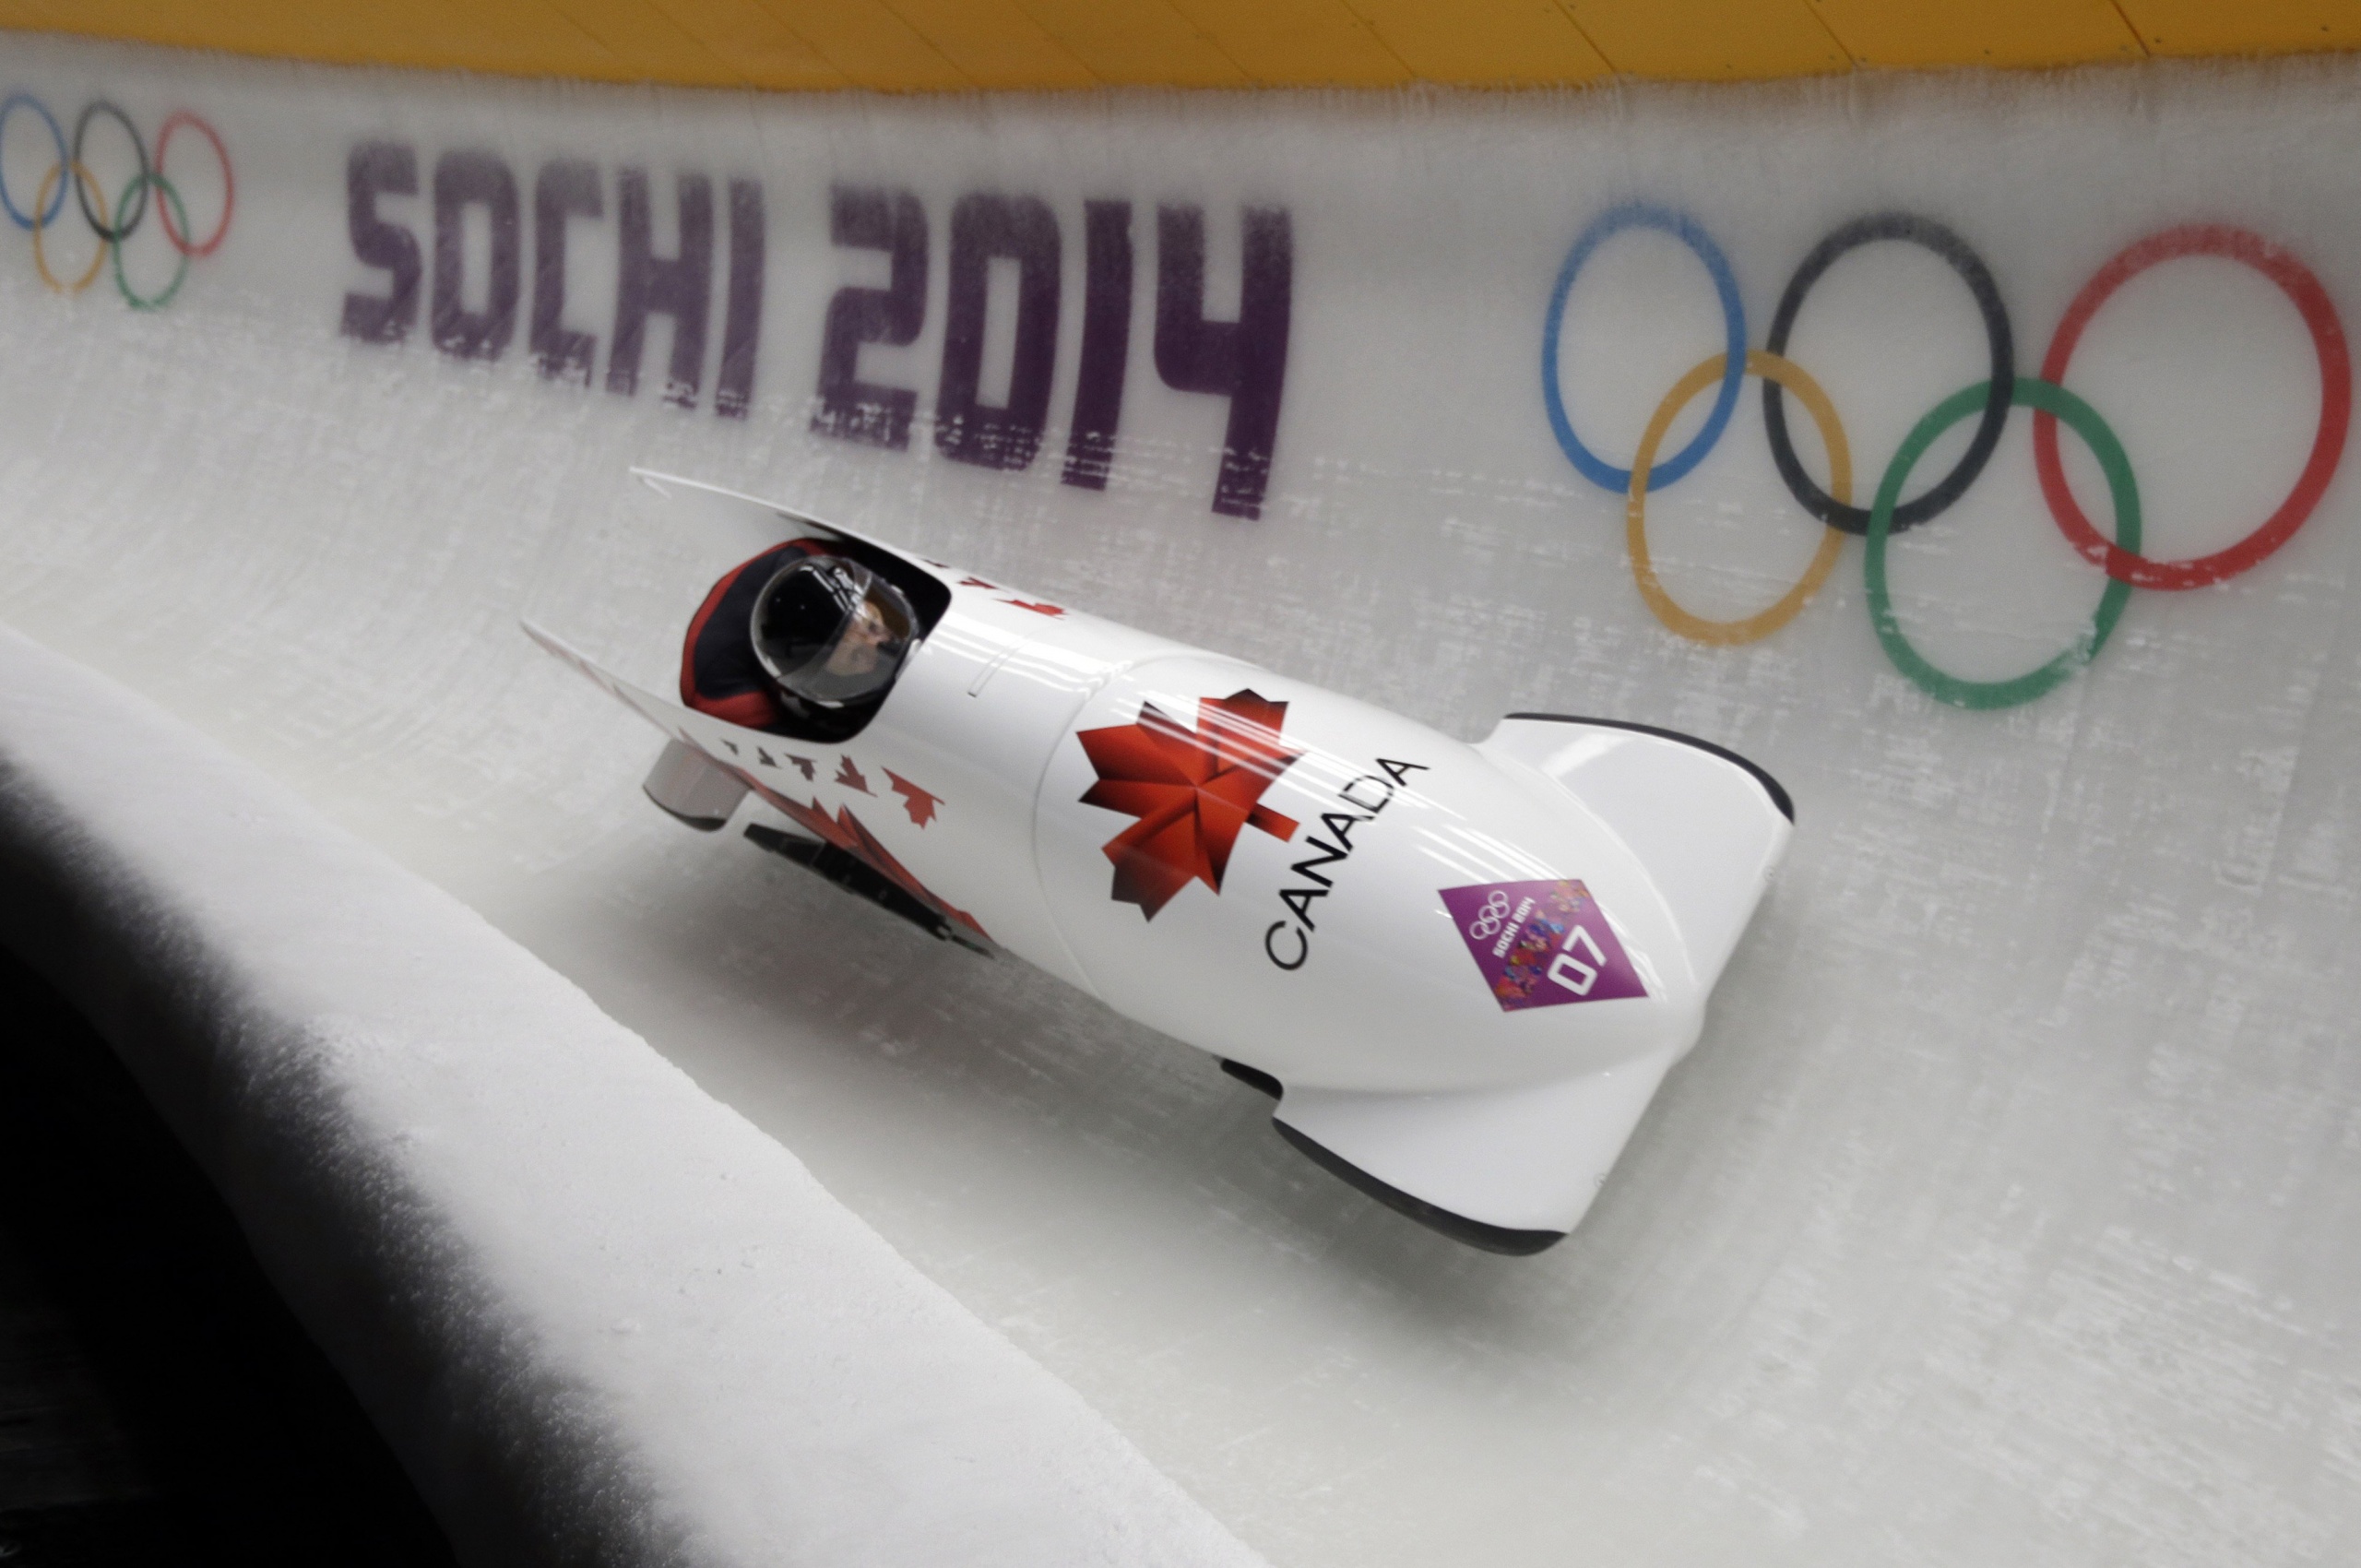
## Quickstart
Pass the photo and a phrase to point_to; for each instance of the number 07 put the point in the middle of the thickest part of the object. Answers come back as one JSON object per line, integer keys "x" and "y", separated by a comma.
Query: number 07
{"x": 1565, "y": 961}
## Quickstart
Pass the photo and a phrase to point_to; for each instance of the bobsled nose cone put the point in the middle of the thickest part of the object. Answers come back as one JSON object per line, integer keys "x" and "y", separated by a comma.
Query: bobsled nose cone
{"x": 1709, "y": 826}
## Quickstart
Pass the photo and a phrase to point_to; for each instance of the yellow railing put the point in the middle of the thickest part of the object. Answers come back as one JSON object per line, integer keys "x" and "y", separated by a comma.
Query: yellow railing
{"x": 954, "y": 45}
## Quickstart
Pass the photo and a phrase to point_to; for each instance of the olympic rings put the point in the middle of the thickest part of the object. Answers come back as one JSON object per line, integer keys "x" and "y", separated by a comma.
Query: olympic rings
{"x": 127, "y": 221}
{"x": 2122, "y": 560}
{"x": 1970, "y": 267}
{"x": 2056, "y": 401}
{"x": 180, "y": 273}
{"x": 1689, "y": 233}
{"x": 41, "y": 258}
{"x": 27, "y": 100}
{"x": 131, "y": 207}
{"x": 2046, "y": 396}
{"x": 1773, "y": 371}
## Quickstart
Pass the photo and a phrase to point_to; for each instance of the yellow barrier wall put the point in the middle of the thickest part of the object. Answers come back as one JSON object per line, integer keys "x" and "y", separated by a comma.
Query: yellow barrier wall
{"x": 952, "y": 45}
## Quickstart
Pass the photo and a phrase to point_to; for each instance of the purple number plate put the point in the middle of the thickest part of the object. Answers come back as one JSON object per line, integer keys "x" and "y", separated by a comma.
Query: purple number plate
{"x": 1541, "y": 943}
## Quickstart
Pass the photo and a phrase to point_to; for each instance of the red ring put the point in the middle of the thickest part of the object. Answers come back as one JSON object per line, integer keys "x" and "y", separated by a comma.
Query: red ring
{"x": 173, "y": 122}
{"x": 2296, "y": 281}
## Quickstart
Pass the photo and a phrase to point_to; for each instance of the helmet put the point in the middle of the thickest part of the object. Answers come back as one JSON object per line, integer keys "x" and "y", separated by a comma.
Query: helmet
{"x": 831, "y": 631}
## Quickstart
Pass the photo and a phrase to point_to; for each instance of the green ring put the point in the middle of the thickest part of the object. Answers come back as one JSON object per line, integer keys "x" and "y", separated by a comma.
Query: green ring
{"x": 2051, "y": 398}
{"x": 149, "y": 177}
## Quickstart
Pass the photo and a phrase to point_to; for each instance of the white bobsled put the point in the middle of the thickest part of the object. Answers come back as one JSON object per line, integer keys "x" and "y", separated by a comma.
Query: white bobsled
{"x": 1462, "y": 969}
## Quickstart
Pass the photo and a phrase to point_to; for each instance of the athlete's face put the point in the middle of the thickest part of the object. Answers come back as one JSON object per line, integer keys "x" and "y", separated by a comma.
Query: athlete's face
{"x": 856, "y": 649}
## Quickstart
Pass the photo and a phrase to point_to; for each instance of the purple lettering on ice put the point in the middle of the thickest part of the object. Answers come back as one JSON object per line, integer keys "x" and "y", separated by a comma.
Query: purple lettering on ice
{"x": 742, "y": 320}
{"x": 376, "y": 168}
{"x": 1244, "y": 361}
{"x": 680, "y": 286}
{"x": 566, "y": 188}
{"x": 867, "y": 218}
{"x": 967, "y": 429}
{"x": 1105, "y": 342}
{"x": 463, "y": 179}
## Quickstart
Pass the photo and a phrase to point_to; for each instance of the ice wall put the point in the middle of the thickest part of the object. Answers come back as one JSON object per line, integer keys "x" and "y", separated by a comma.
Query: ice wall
{"x": 602, "y": 1318}
{"x": 2006, "y": 1211}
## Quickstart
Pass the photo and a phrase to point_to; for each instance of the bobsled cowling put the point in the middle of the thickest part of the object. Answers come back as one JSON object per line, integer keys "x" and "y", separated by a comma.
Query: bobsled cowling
{"x": 1464, "y": 967}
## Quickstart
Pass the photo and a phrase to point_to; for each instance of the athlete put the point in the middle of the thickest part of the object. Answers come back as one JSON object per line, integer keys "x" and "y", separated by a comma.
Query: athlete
{"x": 797, "y": 641}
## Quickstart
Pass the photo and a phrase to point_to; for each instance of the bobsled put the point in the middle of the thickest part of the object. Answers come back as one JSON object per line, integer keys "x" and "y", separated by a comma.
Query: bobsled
{"x": 1462, "y": 970}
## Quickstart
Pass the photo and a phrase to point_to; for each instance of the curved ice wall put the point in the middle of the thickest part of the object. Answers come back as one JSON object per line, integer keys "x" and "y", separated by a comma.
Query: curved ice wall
{"x": 2005, "y": 1210}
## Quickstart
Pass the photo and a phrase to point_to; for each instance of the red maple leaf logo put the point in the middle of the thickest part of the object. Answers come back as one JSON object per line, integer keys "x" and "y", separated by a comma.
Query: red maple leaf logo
{"x": 1044, "y": 609}
{"x": 850, "y": 778}
{"x": 920, "y": 803}
{"x": 1193, "y": 791}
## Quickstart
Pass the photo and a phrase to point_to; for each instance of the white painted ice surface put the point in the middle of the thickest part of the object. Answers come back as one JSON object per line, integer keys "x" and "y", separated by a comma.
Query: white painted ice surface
{"x": 2006, "y": 1212}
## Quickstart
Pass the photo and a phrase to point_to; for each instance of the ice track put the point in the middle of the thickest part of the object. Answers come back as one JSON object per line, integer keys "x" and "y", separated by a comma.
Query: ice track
{"x": 2009, "y": 1210}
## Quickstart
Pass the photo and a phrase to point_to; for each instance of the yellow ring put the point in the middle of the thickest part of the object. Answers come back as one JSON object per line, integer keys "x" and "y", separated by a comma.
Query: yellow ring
{"x": 1727, "y": 634}
{"x": 98, "y": 257}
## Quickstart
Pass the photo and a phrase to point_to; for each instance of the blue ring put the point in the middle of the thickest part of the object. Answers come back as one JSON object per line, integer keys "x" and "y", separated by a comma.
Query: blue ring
{"x": 57, "y": 134}
{"x": 1689, "y": 233}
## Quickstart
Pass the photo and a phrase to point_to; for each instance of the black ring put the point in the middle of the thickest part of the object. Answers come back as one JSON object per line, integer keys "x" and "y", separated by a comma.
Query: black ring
{"x": 127, "y": 222}
{"x": 1970, "y": 267}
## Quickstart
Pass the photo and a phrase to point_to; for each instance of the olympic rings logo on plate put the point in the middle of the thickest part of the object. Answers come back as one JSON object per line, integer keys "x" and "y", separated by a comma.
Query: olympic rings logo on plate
{"x": 1987, "y": 402}
{"x": 1490, "y": 918}
{"x": 112, "y": 226}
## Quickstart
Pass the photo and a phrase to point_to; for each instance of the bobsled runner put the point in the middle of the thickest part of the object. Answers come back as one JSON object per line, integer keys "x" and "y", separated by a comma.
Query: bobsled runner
{"x": 1462, "y": 970}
